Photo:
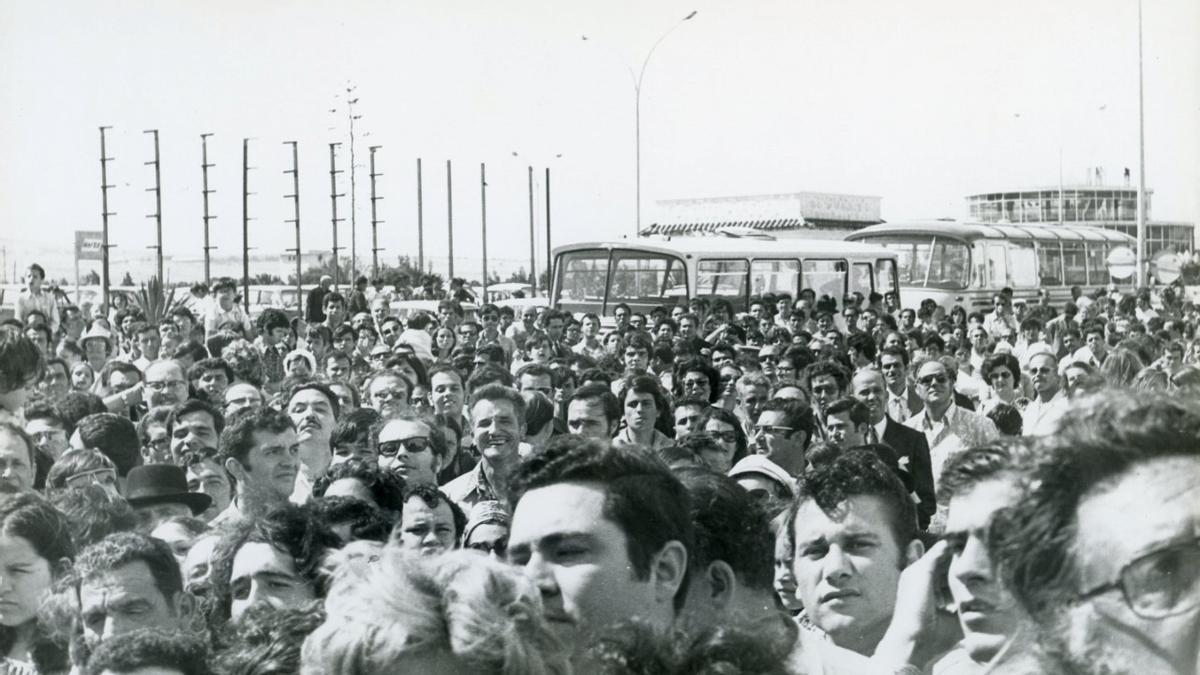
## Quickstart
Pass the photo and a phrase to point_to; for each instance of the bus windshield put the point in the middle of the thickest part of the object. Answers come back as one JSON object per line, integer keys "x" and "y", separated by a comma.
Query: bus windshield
{"x": 927, "y": 260}
{"x": 588, "y": 278}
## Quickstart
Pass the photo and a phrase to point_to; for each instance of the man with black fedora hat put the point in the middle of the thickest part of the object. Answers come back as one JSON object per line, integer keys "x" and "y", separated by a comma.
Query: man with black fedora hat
{"x": 160, "y": 491}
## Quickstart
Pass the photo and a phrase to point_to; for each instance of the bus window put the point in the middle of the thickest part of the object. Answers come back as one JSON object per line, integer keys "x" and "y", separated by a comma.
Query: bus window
{"x": 1097, "y": 263}
{"x": 1074, "y": 264}
{"x": 860, "y": 279}
{"x": 1049, "y": 263}
{"x": 927, "y": 260}
{"x": 647, "y": 279}
{"x": 723, "y": 279}
{"x": 584, "y": 276}
{"x": 825, "y": 277}
{"x": 775, "y": 276}
{"x": 993, "y": 270}
{"x": 1022, "y": 264}
{"x": 885, "y": 275}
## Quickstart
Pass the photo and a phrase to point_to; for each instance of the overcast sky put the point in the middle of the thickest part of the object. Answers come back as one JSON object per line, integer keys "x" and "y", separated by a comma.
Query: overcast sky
{"x": 919, "y": 103}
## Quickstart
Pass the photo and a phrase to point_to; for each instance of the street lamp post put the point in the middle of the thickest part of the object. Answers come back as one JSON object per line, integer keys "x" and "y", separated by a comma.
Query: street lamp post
{"x": 637, "y": 116}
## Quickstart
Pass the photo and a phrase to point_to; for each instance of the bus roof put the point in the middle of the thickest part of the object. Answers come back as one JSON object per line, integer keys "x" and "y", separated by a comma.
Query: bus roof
{"x": 972, "y": 231}
{"x": 691, "y": 247}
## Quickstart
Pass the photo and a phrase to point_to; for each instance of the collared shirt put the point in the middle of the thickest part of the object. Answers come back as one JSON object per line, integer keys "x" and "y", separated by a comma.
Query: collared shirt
{"x": 591, "y": 351}
{"x": 43, "y": 302}
{"x": 624, "y": 438}
{"x": 993, "y": 322}
{"x": 470, "y": 488}
{"x": 897, "y": 405}
{"x": 231, "y": 514}
{"x": 1041, "y": 418}
{"x": 958, "y": 430}
{"x": 815, "y": 652}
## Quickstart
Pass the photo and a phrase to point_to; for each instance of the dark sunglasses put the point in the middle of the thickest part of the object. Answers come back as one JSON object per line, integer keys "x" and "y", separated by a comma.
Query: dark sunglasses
{"x": 413, "y": 445}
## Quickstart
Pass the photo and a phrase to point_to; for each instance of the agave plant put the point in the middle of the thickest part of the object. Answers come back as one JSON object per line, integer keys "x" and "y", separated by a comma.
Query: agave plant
{"x": 156, "y": 300}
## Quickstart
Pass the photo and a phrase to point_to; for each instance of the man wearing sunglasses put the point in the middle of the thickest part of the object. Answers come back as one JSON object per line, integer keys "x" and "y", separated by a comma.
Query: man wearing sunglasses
{"x": 948, "y": 427}
{"x": 1103, "y": 552}
{"x": 413, "y": 448}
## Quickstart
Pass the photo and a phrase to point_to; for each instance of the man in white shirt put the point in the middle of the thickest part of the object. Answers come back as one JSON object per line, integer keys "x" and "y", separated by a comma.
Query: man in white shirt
{"x": 1041, "y": 416}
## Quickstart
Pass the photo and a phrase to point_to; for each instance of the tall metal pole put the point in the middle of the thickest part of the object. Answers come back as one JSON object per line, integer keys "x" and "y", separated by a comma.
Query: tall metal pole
{"x": 374, "y": 219}
{"x": 637, "y": 116}
{"x": 104, "y": 214}
{"x": 333, "y": 197}
{"x": 295, "y": 219}
{"x": 450, "y": 218}
{"x": 204, "y": 193}
{"x": 246, "y": 224}
{"x": 533, "y": 275}
{"x": 549, "y": 259}
{"x": 420, "y": 225}
{"x": 353, "y": 188}
{"x": 157, "y": 215}
{"x": 483, "y": 213}
{"x": 1141, "y": 194}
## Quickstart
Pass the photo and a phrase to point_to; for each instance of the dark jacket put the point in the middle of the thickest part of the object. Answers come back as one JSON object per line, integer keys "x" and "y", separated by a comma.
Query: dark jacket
{"x": 911, "y": 444}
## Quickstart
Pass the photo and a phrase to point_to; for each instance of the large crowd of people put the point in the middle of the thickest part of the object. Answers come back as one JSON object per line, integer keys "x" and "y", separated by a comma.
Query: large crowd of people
{"x": 812, "y": 485}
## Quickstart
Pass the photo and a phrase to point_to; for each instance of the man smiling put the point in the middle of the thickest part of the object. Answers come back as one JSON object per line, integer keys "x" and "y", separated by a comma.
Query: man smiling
{"x": 498, "y": 423}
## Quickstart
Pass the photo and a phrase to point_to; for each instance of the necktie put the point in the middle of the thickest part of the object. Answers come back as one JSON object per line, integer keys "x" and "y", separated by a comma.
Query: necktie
{"x": 872, "y": 436}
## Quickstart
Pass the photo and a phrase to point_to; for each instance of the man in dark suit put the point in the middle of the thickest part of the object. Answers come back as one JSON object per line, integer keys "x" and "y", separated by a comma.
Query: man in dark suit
{"x": 910, "y": 445}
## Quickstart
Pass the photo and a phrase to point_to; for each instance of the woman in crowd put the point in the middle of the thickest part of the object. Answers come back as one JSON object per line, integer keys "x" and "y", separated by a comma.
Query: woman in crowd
{"x": 35, "y": 551}
{"x": 21, "y": 366}
{"x": 444, "y": 342}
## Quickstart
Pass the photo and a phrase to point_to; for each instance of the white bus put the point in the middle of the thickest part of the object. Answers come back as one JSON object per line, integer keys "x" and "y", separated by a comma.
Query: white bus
{"x": 966, "y": 264}
{"x": 646, "y": 273}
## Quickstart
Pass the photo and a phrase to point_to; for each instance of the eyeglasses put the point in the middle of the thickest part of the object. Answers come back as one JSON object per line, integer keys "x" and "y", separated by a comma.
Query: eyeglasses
{"x": 825, "y": 389}
{"x": 390, "y": 394}
{"x": 729, "y": 436}
{"x": 413, "y": 445}
{"x": 1160, "y": 583}
{"x": 930, "y": 380}
{"x": 772, "y": 430}
{"x": 94, "y": 477}
{"x": 498, "y": 547}
{"x": 164, "y": 384}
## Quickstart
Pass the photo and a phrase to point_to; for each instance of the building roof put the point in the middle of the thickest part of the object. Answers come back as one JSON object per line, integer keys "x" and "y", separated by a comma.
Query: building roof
{"x": 1055, "y": 188}
{"x": 713, "y": 227}
{"x": 746, "y": 246}
{"x": 975, "y": 230}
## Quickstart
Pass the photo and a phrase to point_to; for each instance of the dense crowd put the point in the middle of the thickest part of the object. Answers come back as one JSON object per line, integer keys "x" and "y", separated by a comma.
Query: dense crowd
{"x": 813, "y": 485}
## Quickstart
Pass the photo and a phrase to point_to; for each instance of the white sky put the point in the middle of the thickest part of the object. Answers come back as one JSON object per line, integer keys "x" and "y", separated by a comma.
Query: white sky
{"x": 919, "y": 102}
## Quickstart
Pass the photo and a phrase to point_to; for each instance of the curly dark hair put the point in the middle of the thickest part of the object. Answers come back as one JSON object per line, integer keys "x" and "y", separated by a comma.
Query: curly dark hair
{"x": 267, "y": 641}
{"x": 366, "y": 520}
{"x": 857, "y": 473}
{"x": 295, "y": 530}
{"x": 387, "y": 487}
{"x": 637, "y": 648}
{"x": 20, "y": 361}
{"x": 432, "y": 497}
{"x": 148, "y": 648}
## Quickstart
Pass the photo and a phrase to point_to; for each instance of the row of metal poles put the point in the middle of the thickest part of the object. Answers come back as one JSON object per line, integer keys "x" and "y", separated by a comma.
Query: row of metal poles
{"x": 334, "y": 196}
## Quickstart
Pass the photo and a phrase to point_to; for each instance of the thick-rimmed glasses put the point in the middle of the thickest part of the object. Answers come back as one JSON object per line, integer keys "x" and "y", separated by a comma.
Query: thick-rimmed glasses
{"x": 413, "y": 445}
{"x": 1159, "y": 584}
